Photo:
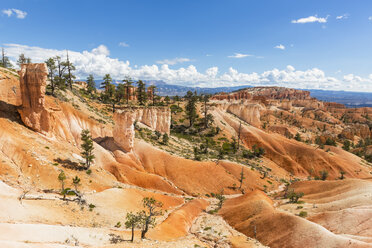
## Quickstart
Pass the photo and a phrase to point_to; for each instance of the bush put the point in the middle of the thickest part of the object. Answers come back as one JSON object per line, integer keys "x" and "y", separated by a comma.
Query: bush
{"x": 323, "y": 175}
{"x": 346, "y": 145}
{"x": 293, "y": 196}
{"x": 303, "y": 214}
{"x": 330, "y": 142}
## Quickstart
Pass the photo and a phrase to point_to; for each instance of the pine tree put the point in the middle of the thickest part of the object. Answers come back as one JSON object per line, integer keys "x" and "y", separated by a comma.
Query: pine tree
{"x": 51, "y": 64}
{"x": 191, "y": 107}
{"x": 241, "y": 178}
{"x": 91, "y": 85}
{"x": 205, "y": 99}
{"x": 76, "y": 182}
{"x": 132, "y": 222}
{"x": 70, "y": 68}
{"x": 87, "y": 147}
{"x": 141, "y": 92}
{"x": 120, "y": 93}
{"x": 152, "y": 209}
{"x": 107, "y": 86}
{"x": 62, "y": 178}
{"x": 22, "y": 59}
{"x": 167, "y": 100}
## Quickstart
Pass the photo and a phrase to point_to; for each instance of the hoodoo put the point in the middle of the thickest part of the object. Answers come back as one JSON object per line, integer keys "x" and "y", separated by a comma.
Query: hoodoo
{"x": 124, "y": 129}
{"x": 33, "y": 79}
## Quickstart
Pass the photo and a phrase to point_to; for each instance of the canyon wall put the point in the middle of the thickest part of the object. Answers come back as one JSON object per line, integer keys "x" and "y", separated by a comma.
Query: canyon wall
{"x": 248, "y": 112}
{"x": 156, "y": 118}
{"x": 266, "y": 92}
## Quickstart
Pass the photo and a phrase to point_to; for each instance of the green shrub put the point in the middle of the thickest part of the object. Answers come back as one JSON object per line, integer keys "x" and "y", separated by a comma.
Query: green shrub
{"x": 303, "y": 214}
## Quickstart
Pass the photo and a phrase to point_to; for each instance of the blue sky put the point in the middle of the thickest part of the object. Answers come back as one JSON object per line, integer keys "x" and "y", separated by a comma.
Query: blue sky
{"x": 325, "y": 44}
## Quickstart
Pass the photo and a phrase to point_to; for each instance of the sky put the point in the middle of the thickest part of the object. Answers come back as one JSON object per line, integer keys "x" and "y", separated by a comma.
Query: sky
{"x": 305, "y": 44}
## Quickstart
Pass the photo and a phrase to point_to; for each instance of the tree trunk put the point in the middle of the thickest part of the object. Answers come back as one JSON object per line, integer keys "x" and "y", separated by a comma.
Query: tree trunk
{"x": 132, "y": 234}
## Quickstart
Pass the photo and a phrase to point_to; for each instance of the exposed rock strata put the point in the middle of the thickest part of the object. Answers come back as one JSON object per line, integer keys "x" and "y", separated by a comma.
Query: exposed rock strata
{"x": 33, "y": 85}
{"x": 248, "y": 112}
{"x": 156, "y": 118}
{"x": 124, "y": 129}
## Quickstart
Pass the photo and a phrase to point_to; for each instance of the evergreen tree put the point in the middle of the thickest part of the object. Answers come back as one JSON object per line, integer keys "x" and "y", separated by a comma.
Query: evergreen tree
{"x": 107, "y": 86}
{"x": 22, "y": 59}
{"x": 152, "y": 209}
{"x": 5, "y": 62}
{"x": 190, "y": 110}
{"x": 241, "y": 178}
{"x": 165, "y": 139}
{"x": 62, "y": 178}
{"x": 167, "y": 100}
{"x": 69, "y": 76}
{"x": 87, "y": 147}
{"x": 76, "y": 182}
{"x": 205, "y": 99}
{"x": 51, "y": 64}
{"x": 132, "y": 222}
{"x": 120, "y": 93}
{"x": 141, "y": 92}
{"x": 60, "y": 79}
{"x": 91, "y": 85}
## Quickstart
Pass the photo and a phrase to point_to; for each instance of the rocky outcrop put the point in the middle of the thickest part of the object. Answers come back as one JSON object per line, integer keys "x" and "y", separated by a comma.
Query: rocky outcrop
{"x": 248, "y": 112}
{"x": 33, "y": 112}
{"x": 286, "y": 104}
{"x": 360, "y": 130}
{"x": 10, "y": 92}
{"x": 124, "y": 129}
{"x": 156, "y": 118}
{"x": 308, "y": 103}
{"x": 266, "y": 92}
{"x": 281, "y": 130}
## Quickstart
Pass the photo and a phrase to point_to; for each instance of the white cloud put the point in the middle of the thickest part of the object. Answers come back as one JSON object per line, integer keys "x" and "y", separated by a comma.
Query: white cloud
{"x": 7, "y": 12}
{"x": 370, "y": 18}
{"x": 344, "y": 16}
{"x": 311, "y": 19}
{"x": 98, "y": 63}
{"x": 281, "y": 47}
{"x": 123, "y": 44}
{"x": 239, "y": 55}
{"x": 173, "y": 61}
{"x": 101, "y": 50}
{"x": 19, "y": 13}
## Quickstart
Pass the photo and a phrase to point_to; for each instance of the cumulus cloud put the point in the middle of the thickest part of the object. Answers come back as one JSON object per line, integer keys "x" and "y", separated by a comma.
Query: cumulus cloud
{"x": 370, "y": 18}
{"x": 239, "y": 55}
{"x": 18, "y": 13}
{"x": 123, "y": 44}
{"x": 98, "y": 63}
{"x": 344, "y": 16}
{"x": 281, "y": 47}
{"x": 311, "y": 19}
{"x": 173, "y": 61}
